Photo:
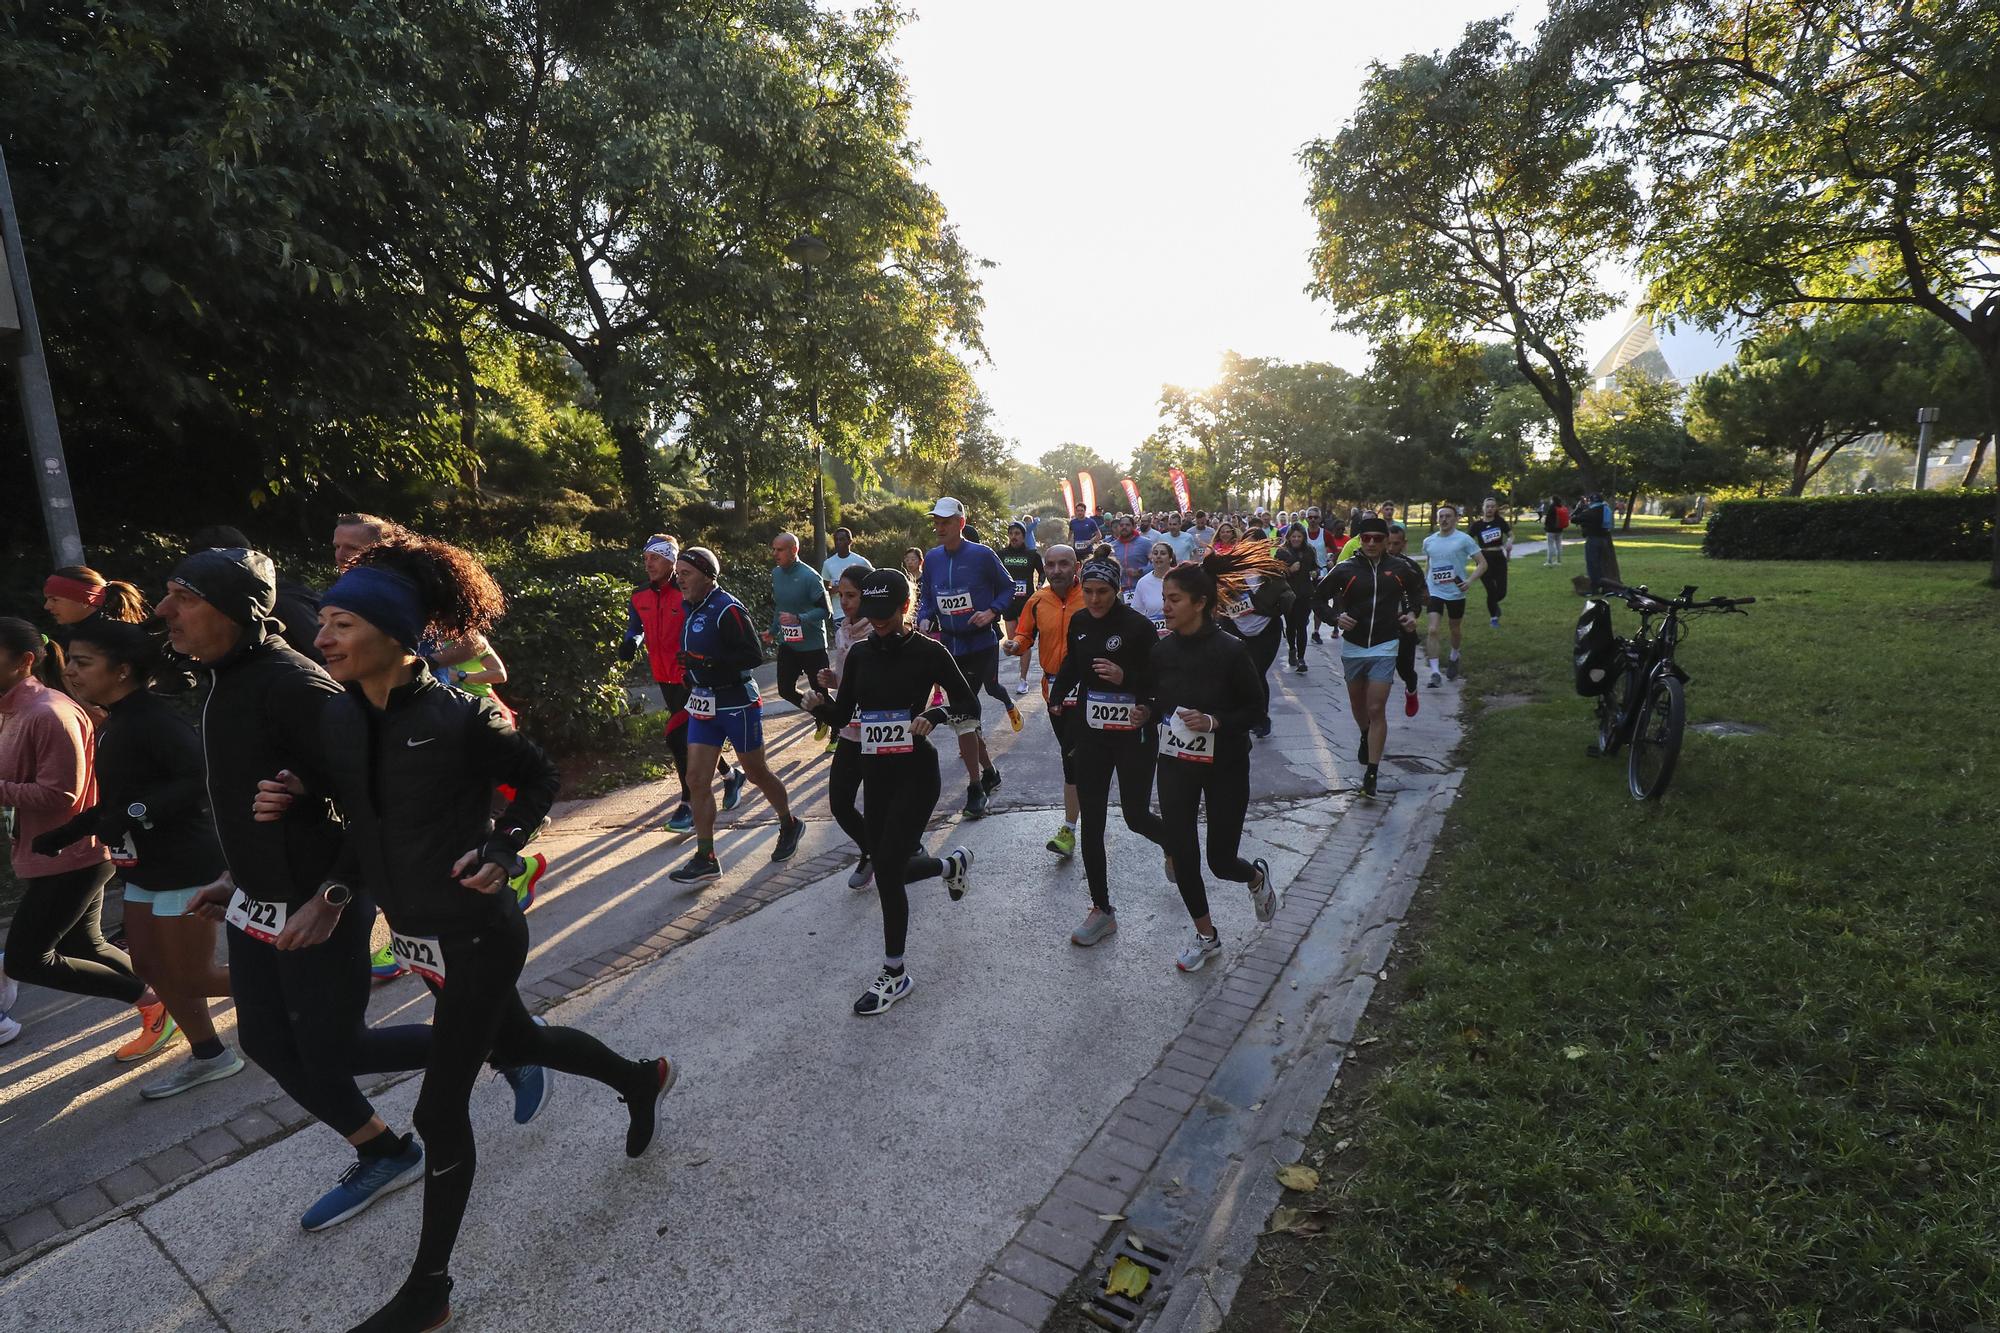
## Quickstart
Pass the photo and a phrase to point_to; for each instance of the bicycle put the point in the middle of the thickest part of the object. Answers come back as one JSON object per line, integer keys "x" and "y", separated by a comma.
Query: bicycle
{"x": 1645, "y": 704}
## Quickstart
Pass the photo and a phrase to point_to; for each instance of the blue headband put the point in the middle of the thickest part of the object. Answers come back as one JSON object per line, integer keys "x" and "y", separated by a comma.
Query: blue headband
{"x": 383, "y": 598}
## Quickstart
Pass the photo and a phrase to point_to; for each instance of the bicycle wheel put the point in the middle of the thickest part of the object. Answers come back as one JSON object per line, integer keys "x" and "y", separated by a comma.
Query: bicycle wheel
{"x": 1656, "y": 739}
{"x": 1613, "y": 705}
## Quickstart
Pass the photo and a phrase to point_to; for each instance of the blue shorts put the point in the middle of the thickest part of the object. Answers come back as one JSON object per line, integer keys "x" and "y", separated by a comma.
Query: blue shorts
{"x": 165, "y": 902}
{"x": 1369, "y": 668}
{"x": 741, "y": 727}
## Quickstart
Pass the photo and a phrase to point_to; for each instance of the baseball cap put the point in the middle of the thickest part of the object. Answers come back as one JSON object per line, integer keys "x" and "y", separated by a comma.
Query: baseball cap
{"x": 946, "y": 507}
{"x": 884, "y": 593}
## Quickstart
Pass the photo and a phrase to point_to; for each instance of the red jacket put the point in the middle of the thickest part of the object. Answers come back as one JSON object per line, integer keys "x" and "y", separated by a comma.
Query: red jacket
{"x": 48, "y": 774}
{"x": 657, "y": 615}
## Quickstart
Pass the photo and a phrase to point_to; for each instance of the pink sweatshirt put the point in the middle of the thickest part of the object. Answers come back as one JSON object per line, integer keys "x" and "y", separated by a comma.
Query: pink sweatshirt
{"x": 47, "y": 774}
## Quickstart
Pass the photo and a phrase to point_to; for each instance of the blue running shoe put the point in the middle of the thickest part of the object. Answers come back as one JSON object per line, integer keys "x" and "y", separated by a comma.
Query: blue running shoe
{"x": 681, "y": 820}
{"x": 534, "y": 1087}
{"x": 732, "y": 789}
{"x": 369, "y": 1179}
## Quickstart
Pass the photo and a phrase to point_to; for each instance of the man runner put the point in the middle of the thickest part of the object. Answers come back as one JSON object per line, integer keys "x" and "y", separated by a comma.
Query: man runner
{"x": 965, "y": 592}
{"x": 1045, "y": 620}
{"x": 799, "y": 620}
{"x": 1452, "y": 561}
{"x": 654, "y": 618}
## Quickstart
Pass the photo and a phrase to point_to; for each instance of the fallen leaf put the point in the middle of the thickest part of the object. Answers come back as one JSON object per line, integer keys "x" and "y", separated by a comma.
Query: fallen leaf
{"x": 1343, "y": 1145}
{"x": 1299, "y": 1221}
{"x": 1575, "y": 1052}
{"x": 1111, "y": 1217}
{"x": 1127, "y": 1279}
{"x": 1298, "y": 1177}
{"x": 1367, "y": 1041}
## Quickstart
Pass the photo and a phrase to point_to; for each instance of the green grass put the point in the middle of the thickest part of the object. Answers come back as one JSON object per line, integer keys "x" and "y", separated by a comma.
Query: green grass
{"x": 1725, "y": 1060}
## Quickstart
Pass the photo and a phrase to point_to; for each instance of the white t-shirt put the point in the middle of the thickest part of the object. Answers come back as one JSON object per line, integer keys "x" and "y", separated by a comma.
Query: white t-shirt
{"x": 836, "y": 565}
{"x": 1146, "y": 595}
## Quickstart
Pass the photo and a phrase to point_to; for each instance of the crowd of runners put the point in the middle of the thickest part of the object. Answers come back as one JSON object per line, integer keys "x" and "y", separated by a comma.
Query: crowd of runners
{"x": 344, "y": 753}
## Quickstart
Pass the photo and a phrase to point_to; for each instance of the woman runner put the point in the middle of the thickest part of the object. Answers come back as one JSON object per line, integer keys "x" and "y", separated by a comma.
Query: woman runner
{"x": 1209, "y": 696}
{"x": 413, "y": 766}
{"x": 843, "y": 779}
{"x": 1239, "y": 572}
{"x": 1495, "y": 536}
{"x": 885, "y": 685}
{"x": 75, "y": 593}
{"x": 1301, "y": 564}
{"x": 1146, "y": 593}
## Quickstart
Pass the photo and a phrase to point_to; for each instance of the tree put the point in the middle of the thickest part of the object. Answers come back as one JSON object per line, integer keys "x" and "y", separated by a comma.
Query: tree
{"x": 1811, "y": 154}
{"x": 1637, "y": 429}
{"x": 1473, "y": 194}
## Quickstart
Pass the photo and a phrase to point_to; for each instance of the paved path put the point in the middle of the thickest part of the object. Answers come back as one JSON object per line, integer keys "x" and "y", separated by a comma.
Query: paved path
{"x": 815, "y": 1170}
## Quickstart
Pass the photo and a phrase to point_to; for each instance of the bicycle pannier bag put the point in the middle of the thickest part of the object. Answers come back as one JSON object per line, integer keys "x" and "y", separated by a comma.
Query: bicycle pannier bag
{"x": 1595, "y": 648}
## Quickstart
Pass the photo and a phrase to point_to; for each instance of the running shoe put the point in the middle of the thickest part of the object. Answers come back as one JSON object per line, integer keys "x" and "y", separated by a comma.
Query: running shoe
{"x": 833, "y": 742}
{"x": 885, "y": 992}
{"x": 1301, "y": 667}
{"x": 533, "y": 866}
{"x": 819, "y": 731}
{"x": 1064, "y": 842}
{"x": 1096, "y": 928}
{"x": 1196, "y": 955}
{"x": 1409, "y": 703}
{"x": 1494, "y": 622}
{"x": 654, "y": 1080}
{"x": 788, "y": 839}
{"x": 1451, "y": 668}
{"x": 1022, "y": 687}
{"x": 1262, "y": 731}
{"x": 989, "y": 779}
{"x": 156, "y": 1029}
{"x": 864, "y": 873}
{"x": 1316, "y": 638}
{"x": 1434, "y": 681}
{"x": 1263, "y": 893}
{"x": 1368, "y": 782}
{"x": 682, "y": 819}
{"x": 732, "y": 789}
{"x": 366, "y": 1180}
{"x": 534, "y": 1087}
{"x": 1014, "y": 721}
{"x": 192, "y": 1073}
{"x": 697, "y": 869}
{"x": 975, "y": 802}
{"x": 382, "y": 965}
{"x": 957, "y": 872}
{"x": 419, "y": 1305}
{"x": 9, "y": 1029}
{"x": 10, "y": 991}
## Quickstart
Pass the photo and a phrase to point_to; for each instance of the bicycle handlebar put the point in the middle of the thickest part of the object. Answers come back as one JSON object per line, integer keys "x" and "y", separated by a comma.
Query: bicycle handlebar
{"x": 1642, "y": 601}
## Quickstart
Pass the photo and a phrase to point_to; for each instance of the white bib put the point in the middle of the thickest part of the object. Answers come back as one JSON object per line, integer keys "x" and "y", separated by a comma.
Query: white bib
{"x": 1160, "y": 626}
{"x": 794, "y": 633}
{"x": 886, "y": 732}
{"x": 1183, "y": 742}
{"x": 1446, "y": 577}
{"x": 419, "y": 953}
{"x": 1020, "y": 589}
{"x": 1492, "y": 536}
{"x": 123, "y": 854}
{"x": 1240, "y": 606}
{"x": 701, "y": 703}
{"x": 954, "y": 602}
{"x": 256, "y": 918}
{"x": 1110, "y": 712}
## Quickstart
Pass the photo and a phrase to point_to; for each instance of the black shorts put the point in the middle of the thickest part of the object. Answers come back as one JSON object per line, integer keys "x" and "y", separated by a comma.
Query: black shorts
{"x": 1454, "y": 608}
{"x": 675, "y": 697}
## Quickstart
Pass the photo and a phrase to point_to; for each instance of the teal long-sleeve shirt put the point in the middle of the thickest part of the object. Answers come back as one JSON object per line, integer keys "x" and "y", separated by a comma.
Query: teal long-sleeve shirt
{"x": 798, "y": 590}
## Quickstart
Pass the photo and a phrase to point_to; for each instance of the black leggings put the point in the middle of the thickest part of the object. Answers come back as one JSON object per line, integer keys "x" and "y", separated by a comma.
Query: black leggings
{"x": 302, "y": 1015}
{"x": 794, "y": 662}
{"x": 898, "y": 794}
{"x": 57, "y": 939}
{"x": 676, "y": 698}
{"x": 1297, "y": 620}
{"x": 1495, "y": 579}
{"x": 479, "y": 1017}
{"x": 1406, "y": 660}
{"x": 843, "y": 783}
{"x": 1226, "y": 783}
{"x": 1264, "y": 651}
{"x": 1099, "y": 755}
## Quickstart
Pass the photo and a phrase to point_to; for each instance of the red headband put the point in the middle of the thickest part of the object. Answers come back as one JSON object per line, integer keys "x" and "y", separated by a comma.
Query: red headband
{"x": 75, "y": 590}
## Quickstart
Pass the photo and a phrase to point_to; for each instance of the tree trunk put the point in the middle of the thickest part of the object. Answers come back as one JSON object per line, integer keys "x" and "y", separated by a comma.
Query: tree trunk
{"x": 1978, "y": 458}
{"x": 468, "y": 411}
{"x": 1631, "y": 503}
{"x": 1801, "y": 465}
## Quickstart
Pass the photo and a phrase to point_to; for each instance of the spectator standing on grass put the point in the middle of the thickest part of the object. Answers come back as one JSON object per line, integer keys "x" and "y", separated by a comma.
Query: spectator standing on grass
{"x": 1600, "y": 556}
{"x": 1555, "y": 522}
{"x": 844, "y": 558}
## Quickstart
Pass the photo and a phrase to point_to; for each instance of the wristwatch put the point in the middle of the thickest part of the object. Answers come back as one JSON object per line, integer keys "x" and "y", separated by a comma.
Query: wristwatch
{"x": 136, "y": 812}
{"x": 337, "y": 896}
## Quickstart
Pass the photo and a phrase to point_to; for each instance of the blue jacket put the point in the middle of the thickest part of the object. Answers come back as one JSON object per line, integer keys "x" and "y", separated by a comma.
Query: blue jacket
{"x": 976, "y": 570}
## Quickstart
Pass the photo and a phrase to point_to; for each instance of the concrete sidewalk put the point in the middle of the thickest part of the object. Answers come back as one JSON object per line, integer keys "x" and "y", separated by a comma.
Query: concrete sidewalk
{"x": 814, "y": 1170}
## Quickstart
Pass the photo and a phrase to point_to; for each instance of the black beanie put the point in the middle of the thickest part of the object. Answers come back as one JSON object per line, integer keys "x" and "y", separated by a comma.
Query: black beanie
{"x": 240, "y": 583}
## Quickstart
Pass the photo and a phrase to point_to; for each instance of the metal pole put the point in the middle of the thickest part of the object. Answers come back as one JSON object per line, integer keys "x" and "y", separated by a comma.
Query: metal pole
{"x": 38, "y": 405}
{"x": 819, "y": 440}
{"x": 1926, "y": 418}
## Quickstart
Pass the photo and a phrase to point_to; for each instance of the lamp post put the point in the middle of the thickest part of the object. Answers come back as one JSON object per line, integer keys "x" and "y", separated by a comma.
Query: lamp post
{"x": 21, "y": 337}
{"x": 809, "y": 252}
{"x": 1926, "y": 418}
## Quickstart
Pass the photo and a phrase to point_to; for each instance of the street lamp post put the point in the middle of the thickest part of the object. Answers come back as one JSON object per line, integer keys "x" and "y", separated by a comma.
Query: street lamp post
{"x": 1926, "y": 418}
{"x": 19, "y": 326}
{"x": 809, "y": 252}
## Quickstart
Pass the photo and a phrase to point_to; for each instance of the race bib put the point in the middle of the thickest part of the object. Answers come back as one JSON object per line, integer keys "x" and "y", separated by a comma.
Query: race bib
{"x": 1110, "y": 712}
{"x": 256, "y": 918}
{"x": 1183, "y": 742}
{"x": 701, "y": 703}
{"x": 419, "y": 953}
{"x": 1160, "y": 627}
{"x": 1445, "y": 578}
{"x": 886, "y": 732}
{"x": 1020, "y": 589}
{"x": 793, "y": 633}
{"x": 123, "y": 854}
{"x": 1491, "y": 536}
{"x": 954, "y": 602}
{"x": 1239, "y": 606}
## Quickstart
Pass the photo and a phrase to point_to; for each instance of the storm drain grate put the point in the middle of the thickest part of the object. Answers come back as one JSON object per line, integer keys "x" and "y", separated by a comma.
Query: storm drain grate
{"x": 1119, "y": 1312}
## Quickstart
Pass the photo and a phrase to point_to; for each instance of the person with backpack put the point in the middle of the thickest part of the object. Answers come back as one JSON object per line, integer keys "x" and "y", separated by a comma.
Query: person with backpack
{"x": 1555, "y": 521}
{"x": 1600, "y": 556}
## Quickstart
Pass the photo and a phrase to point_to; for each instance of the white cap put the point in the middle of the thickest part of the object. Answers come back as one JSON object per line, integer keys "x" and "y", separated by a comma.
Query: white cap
{"x": 947, "y": 507}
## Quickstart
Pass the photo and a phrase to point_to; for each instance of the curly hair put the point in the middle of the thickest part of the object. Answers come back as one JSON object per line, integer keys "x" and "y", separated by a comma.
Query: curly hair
{"x": 460, "y": 598}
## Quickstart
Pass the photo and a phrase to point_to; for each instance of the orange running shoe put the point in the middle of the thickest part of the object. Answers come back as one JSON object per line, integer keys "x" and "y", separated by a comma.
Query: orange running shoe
{"x": 156, "y": 1029}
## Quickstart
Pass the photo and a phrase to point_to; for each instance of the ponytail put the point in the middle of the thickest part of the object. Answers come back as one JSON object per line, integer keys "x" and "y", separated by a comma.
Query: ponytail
{"x": 17, "y": 636}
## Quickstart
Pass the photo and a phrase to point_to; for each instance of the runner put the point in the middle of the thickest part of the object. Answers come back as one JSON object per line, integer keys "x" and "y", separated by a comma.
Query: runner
{"x": 1107, "y": 670}
{"x": 297, "y": 939}
{"x": 1147, "y": 592}
{"x": 1448, "y": 554}
{"x": 913, "y": 565}
{"x": 1239, "y": 570}
{"x": 474, "y": 665}
{"x": 843, "y": 779}
{"x": 721, "y": 655}
{"x": 1324, "y": 544}
{"x": 1496, "y": 543}
{"x": 150, "y": 813}
{"x": 413, "y": 766}
{"x": 1084, "y": 529}
{"x": 355, "y": 533}
{"x": 1024, "y": 566}
{"x": 297, "y": 611}
{"x": 799, "y": 621}
{"x": 1396, "y": 550}
{"x": 1203, "y": 534}
{"x": 1182, "y": 541}
{"x": 885, "y": 687}
{"x": 1370, "y": 599}
{"x": 1206, "y": 688}
{"x": 1301, "y": 561}
{"x": 75, "y": 593}
{"x": 47, "y": 778}
{"x": 655, "y": 618}
{"x": 965, "y": 589}
{"x": 1133, "y": 554}
{"x": 844, "y": 558}
{"x": 1046, "y": 620}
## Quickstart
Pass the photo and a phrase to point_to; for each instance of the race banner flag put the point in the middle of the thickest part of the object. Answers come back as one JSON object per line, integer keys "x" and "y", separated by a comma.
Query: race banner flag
{"x": 1132, "y": 494}
{"x": 1181, "y": 494}
{"x": 1088, "y": 486}
{"x": 1069, "y": 499}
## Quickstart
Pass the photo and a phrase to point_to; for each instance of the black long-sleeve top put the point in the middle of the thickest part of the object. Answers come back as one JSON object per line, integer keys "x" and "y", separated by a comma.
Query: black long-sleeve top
{"x": 1124, "y": 636}
{"x": 151, "y": 806}
{"x": 896, "y": 674}
{"x": 1210, "y": 672}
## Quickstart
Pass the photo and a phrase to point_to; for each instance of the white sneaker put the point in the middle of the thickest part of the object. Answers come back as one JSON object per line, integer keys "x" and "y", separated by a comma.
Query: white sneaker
{"x": 885, "y": 992}
{"x": 192, "y": 1073}
{"x": 10, "y": 991}
{"x": 1199, "y": 952}
{"x": 9, "y": 1029}
{"x": 1263, "y": 897}
{"x": 1022, "y": 687}
{"x": 957, "y": 869}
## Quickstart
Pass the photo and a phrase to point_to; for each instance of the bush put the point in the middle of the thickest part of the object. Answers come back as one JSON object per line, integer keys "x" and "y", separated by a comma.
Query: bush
{"x": 1900, "y": 525}
{"x": 560, "y": 641}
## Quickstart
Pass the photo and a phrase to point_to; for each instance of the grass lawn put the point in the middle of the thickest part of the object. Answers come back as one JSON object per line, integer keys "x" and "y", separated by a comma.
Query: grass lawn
{"x": 1726, "y": 1060}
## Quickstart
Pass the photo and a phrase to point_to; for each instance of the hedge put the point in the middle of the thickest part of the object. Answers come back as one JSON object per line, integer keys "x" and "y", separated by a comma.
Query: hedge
{"x": 1899, "y": 525}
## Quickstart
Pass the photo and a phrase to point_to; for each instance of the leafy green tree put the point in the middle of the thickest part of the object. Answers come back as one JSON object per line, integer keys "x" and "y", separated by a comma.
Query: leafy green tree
{"x": 1636, "y": 428}
{"x": 1473, "y": 194}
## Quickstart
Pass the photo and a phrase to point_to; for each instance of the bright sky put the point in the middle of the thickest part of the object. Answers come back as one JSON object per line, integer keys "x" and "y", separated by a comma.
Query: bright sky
{"x": 1131, "y": 168}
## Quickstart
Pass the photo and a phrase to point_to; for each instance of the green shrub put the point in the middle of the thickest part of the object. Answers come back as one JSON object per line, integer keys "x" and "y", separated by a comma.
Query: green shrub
{"x": 1899, "y": 525}
{"x": 560, "y": 641}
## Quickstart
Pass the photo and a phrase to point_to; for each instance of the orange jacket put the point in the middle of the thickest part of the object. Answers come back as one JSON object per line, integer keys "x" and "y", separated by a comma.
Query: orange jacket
{"x": 1046, "y": 617}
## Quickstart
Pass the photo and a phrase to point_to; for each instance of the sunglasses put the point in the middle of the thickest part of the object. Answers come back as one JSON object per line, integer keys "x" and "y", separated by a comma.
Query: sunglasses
{"x": 1373, "y": 537}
